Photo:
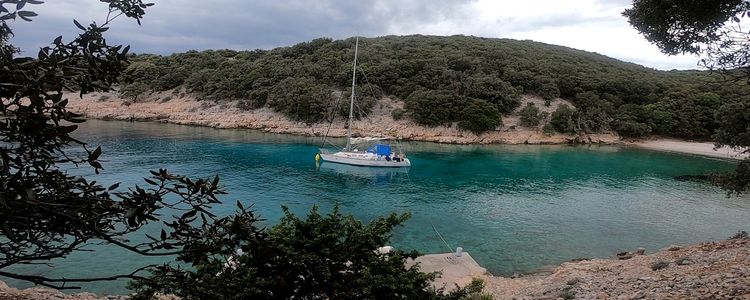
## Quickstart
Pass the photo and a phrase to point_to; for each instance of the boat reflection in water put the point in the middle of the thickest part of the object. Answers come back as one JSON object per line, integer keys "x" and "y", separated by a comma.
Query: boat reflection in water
{"x": 363, "y": 172}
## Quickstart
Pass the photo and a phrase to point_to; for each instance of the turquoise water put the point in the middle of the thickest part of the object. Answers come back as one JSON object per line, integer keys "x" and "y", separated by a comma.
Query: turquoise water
{"x": 514, "y": 208}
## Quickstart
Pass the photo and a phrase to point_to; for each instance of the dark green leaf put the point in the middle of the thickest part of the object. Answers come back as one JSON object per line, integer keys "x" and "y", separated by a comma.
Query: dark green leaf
{"x": 96, "y": 165}
{"x": 95, "y": 155}
{"x": 8, "y": 17}
{"x": 26, "y": 15}
{"x": 79, "y": 25}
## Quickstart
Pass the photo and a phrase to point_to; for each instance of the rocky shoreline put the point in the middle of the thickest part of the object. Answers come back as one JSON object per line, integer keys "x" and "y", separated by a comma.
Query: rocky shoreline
{"x": 711, "y": 270}
{"x": 186, "y": 110}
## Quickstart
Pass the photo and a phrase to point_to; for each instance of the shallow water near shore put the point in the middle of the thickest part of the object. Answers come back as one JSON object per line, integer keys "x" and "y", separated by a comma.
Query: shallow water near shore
{"x": 515, "y": 208}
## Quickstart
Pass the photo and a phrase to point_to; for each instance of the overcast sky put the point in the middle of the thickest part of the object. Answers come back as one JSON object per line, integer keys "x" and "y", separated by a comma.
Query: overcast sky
{"x": 180, "y": 25}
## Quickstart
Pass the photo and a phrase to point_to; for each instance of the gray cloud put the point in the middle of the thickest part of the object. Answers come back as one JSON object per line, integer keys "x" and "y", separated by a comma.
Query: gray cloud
{"x": 179, "y": 25}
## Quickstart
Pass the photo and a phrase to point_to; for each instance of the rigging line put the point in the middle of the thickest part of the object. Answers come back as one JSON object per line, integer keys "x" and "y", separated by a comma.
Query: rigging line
{"x": 333, "y": 116}
{"x": 369, "y": 86}
{"x": 441, "y": 237}
{"x": 359, "y": 109}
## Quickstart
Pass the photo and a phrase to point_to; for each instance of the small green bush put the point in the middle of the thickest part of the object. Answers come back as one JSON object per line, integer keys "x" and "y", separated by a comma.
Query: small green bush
{"x": 549, "y": 91}
{"x": 631, "y": 128}
{"x": 433, "y": 108}
{"x": 133, "y": 90}
{"x": 739, "y": 235}
{"x": 682, "y": 261}
{"x": 398, "y": 114}
{"x": 567, "y": 293}
{"x": 562, "y": 119}
{"x": 659, "y": 265}
{"x": 530, "y": 115}
{"x": 548, "y": 129}
{"x": 631, "y": 121}
{"x": 103, "y": 98}
{"x": 473, "y": 291}
{"x": 247, "y": 105}
{"x": 480, "y": 116}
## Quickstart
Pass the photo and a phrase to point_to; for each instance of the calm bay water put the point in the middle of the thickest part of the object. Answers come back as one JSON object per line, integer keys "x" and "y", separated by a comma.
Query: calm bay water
{"x": 515, "y": 208}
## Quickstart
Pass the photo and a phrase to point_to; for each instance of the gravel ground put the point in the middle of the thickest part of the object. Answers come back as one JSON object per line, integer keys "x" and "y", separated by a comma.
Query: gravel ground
{"x": 713, "y": 270}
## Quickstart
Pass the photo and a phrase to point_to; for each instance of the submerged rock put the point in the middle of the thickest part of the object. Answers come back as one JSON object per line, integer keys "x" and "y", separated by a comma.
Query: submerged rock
{"x": 696, "y": 178}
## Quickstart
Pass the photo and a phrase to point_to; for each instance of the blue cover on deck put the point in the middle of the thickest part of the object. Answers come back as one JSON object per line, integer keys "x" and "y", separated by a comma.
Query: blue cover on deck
{"x": 380, "y": 149}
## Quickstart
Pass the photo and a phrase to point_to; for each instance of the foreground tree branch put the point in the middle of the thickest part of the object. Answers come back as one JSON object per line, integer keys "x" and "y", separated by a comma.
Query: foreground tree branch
{"x": 46, "y": 281}
{"x": 713, "y": 30}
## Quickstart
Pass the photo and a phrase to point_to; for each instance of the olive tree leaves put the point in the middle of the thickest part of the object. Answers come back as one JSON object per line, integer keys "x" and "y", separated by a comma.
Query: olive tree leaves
{"x": 45, "y": 213}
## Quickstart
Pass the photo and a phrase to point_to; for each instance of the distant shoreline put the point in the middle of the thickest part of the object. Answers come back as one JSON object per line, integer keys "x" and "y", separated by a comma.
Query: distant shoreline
{"x": 189, "y": 111}
{"x": 693, "y": 148}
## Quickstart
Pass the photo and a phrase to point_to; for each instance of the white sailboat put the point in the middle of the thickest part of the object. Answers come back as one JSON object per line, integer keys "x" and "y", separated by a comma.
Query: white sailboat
{"x": 378, "y": 154}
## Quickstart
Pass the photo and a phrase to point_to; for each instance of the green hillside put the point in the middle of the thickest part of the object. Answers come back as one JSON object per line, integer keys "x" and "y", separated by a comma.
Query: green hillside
{"x": 461, "y": 79}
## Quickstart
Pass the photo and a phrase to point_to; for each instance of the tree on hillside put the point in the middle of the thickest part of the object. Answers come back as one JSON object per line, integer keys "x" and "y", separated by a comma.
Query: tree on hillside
{"x": 133, "y": 90}
{"x": 711, "y": 29}
{"x": 433, "y": 108}
{"x": 593, "y": 113}
{"x": 46, "y": 213}
{"x": 480, "y": 116}
{"x": 494, "y": 90}
{"x": 530, "y": 116}
{"x": 301, "y": 99}
{"x": 562, "y": 119}
{"x": 632, "y": 121}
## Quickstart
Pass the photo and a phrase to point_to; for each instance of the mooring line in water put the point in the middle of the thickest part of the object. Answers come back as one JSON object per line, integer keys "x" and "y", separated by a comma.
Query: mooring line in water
{"x": 441, "y": 237}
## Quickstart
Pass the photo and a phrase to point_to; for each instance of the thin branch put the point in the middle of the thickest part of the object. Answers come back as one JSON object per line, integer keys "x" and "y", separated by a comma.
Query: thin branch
{"x": 136, "y": 250}
{"x": 46, "y": 281}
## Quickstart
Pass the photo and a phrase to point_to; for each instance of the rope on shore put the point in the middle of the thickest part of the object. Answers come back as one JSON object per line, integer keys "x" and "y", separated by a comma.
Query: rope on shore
{"x": 441, "y": 237}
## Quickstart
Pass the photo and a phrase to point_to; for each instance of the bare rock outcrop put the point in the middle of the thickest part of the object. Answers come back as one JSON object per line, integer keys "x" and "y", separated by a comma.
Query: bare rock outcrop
{"x": 714, "y": 270}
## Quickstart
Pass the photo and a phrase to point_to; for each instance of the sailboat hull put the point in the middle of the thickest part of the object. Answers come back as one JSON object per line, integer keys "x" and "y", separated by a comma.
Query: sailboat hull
{"x": 363, "y": 159}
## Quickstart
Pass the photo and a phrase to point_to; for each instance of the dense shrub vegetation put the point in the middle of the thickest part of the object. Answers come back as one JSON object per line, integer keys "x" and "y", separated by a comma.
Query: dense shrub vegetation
{"x": 437, "y": 77}
{"x": 562, "y": 119}
{"x": 530, "y": 116}
{"x": 480, "y": 116}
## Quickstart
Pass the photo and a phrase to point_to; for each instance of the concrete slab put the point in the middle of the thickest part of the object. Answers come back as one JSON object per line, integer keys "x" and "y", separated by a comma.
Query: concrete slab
{"x": 458, "y": 270}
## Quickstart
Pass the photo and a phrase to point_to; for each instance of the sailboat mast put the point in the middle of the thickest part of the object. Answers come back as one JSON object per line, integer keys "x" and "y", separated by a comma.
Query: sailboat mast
{"x": 351, "y": 103}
